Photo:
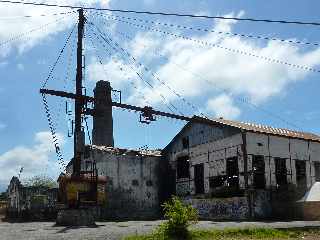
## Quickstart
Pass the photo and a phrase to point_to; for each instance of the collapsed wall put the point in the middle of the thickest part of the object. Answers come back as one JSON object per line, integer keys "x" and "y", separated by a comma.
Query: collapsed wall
{"x": 134, "y": 181}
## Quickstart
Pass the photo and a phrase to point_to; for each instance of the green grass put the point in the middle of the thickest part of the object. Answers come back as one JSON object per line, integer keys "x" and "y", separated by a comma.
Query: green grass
{"x": 241, "y": 234}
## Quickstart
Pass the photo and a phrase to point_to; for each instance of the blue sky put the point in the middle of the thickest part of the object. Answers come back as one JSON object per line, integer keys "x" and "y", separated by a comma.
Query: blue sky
{"x": 214, "y": 80}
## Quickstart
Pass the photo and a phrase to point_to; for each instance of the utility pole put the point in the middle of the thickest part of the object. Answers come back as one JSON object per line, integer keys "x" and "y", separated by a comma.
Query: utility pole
{"x": 79, "y": 137}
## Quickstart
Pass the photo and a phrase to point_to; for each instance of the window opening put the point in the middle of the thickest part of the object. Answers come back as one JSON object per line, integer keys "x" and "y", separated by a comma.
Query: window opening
{"x": 258, "y": 168}
{"x": 183, "y": 167}
{"x": 281, "y": 171}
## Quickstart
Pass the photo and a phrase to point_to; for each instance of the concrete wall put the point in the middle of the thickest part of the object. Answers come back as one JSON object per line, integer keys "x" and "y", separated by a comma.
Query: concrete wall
{"x": 236, "y": 208}
{"x": 220, "y": 143}
{"x": 31, "y": 203}
{"x": 291, "y": 149}
{"x": 133, "y": 182}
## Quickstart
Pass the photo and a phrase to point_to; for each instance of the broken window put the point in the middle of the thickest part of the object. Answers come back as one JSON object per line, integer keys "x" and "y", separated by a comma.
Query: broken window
{"x": 281, "y": 171}
{"x": 199, "y": 178}
{"x": 185, "y": 142}
{"x": 258, "y": 168}
{"x": 216, "y": 181}
{"x": 317, "y": 171}
{"x": 183, "y": 167}
{"x": 301, "y": 173}
{"x": 232, "y": 172}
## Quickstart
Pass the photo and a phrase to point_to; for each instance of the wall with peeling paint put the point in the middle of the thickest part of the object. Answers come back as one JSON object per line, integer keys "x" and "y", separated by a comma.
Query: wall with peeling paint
{"x": 133, "y": 186}
{"x": 212, "y": 145}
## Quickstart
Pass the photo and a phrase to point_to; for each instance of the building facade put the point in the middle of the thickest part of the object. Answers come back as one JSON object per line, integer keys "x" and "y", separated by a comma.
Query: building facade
{"x": 30, "y": 203}
{"x": 233, "y": 170}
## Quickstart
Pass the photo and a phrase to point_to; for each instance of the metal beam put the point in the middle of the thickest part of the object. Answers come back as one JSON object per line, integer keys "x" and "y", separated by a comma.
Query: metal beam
{"x": 121, "y": 105}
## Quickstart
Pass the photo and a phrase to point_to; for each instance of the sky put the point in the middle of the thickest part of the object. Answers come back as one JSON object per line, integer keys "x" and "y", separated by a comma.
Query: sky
{"x": 195, "y": 66}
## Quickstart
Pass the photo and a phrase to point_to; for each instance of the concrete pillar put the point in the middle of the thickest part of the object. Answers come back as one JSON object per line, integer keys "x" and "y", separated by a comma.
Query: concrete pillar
{"x": 102, "y": 133}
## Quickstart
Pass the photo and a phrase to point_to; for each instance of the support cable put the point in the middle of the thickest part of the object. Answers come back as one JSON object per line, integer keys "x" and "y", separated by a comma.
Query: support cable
{"x": 147, "y": 69}
{"x": 164, "y": 100}
{"x": 21, "y": 35}
{"x": 53, "y": 133}
{"x": 164, "y": 13}
{"x": 213, "y": 45}
{"x": 67, "y": 75}
{"x": 58, "y": 58}
{"x": 206, "y": 30}
{"x": 118, "y": 65}
{"x": 239, "y": 99}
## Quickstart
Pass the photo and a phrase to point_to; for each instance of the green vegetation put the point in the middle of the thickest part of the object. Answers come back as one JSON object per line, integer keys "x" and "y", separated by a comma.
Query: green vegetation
{"x": 238, "y": 234}
{"x": 41, "y": 181}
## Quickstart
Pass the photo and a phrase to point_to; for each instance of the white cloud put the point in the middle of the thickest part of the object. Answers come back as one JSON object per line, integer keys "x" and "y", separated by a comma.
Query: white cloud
{"x": 20, "y": 66}
{"x": 207, "y": 71}
{"x": 115, "y": 70}
{"x": 14, "y": 26}
{"x": 34, "y": 159}
{"x": 223, "y": 106}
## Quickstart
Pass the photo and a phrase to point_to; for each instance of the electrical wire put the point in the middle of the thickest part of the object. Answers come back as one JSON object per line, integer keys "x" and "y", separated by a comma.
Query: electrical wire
{"x": 242, "y": 100}
{"x": 164, "y": 100}
{"x": 35, "y": 16}
{"x": 166, "y": 13}
{"x": 21, "y": 35}
{"x": 206, "y": 30}
{"x": 118, "y": 65}
{"x": 58, "y": 58}
{"x": 218, "y": 46}
{"x": 147, "y": 69}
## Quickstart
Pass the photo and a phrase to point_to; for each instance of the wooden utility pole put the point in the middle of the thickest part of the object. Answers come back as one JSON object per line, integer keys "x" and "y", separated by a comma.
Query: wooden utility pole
{"x": 79, "y": 138}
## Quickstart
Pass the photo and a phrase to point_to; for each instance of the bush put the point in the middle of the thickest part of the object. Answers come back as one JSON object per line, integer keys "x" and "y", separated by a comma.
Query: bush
{"x": 179, "y": 216}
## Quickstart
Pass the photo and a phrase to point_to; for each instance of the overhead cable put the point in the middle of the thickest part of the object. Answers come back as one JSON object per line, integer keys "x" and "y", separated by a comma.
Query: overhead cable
{"x": 167, "y": 103}
{"x": 59, "y": 56}
{"x": 179, "y": 26}
{"x": 21, "y": 35}
{"x": 214, "y": 45}
{"x": 147, "y": 69}
{"x": 35, "y": 16}
{"x": 165, "y": 13}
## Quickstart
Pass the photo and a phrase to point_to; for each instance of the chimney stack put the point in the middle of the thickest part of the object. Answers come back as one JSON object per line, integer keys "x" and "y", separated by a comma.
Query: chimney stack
{"x": 102, "y": 133}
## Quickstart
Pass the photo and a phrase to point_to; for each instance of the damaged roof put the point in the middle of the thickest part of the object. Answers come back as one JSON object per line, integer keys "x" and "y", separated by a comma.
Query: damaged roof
{"x": 250, "y": 127}
{"x": 269, "y": 130}
{"x": 122, "y": 151}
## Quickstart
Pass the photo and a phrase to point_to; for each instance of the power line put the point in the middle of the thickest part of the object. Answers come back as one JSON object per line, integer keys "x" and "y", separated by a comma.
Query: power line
{"x": 167, "y": 103}
{"x": 35, "y": 16}
{"x": 147, "y": 69}
{"x": 59, "y": 56}
{"x": 166, "y": 13}
{"x": 236, "y": 51}
{"x": 243, "y": 100}
{"x": 251, "y": 36}
{"x": 21, "y": 35}
{"x": 119, "y": 65}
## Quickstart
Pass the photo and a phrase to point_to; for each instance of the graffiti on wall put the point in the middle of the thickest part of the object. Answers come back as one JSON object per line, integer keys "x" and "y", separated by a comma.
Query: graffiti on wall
{"x": 236, "y": 208}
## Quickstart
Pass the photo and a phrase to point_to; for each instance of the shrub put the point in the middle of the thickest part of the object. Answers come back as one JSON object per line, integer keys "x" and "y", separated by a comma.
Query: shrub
{"x": 179, "y": 216}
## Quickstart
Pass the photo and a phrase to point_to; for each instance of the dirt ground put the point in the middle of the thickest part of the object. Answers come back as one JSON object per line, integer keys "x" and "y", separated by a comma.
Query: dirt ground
{"x": 118, "y": 230}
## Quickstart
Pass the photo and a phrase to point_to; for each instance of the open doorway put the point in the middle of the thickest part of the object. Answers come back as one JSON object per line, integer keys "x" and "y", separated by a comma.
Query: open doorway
{"x": 199, "y": 178}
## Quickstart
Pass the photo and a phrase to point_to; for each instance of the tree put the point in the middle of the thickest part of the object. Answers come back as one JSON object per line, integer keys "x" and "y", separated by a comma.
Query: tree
{"x": 41, "y": 181}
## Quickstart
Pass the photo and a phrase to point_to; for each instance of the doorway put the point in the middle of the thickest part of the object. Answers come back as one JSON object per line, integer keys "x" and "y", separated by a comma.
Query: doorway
{"x": 199, "y": 178}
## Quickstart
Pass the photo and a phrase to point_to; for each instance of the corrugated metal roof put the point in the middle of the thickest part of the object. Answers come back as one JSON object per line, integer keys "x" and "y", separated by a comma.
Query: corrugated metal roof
{"x": 268, "y": 130}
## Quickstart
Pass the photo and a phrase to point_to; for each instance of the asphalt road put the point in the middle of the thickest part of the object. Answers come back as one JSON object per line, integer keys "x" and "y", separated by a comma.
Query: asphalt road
{"x": 117, "y": 230}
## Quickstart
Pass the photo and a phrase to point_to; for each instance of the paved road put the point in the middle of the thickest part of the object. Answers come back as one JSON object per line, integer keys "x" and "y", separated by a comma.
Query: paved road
{"x": 117, "y": 230}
